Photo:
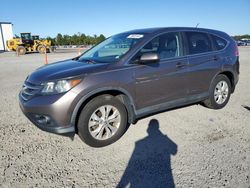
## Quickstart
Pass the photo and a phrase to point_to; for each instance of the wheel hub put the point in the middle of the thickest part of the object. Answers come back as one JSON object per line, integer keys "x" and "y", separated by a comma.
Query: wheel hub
{"x": 221, "y": 92}
{"x": 104, "y": 122}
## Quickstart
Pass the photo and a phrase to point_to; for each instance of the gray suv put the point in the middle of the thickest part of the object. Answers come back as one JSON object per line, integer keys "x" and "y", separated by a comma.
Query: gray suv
{"x": 129, "y": 76}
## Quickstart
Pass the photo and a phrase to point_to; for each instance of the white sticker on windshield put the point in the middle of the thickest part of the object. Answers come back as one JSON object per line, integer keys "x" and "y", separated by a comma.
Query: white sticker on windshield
{"x": 135, "y": 36}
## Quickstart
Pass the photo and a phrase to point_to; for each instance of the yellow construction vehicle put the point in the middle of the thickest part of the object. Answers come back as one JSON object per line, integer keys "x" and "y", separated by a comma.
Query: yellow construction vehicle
{"x": 28, "y": 43}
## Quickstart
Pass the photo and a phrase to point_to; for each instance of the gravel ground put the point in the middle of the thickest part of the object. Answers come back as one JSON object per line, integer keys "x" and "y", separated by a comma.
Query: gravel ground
{"x": 193, "y": 147}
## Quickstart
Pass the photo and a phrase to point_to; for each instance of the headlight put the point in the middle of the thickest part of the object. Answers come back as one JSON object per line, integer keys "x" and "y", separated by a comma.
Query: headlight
{"x": 59, "y": 86}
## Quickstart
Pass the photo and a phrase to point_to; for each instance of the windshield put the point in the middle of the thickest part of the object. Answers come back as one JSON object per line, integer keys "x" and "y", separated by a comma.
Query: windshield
{"x": 112, "y": 49}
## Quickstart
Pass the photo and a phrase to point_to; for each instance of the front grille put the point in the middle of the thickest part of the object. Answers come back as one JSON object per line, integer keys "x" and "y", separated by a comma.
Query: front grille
{"x": 29, "y": 90}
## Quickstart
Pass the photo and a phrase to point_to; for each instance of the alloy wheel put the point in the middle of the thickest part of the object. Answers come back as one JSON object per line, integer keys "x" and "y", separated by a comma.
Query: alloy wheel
{"x": 104, "y": 122}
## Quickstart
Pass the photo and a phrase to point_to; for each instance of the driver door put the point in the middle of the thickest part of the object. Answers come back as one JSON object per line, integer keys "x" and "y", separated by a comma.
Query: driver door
{"x": 163, "y": 81}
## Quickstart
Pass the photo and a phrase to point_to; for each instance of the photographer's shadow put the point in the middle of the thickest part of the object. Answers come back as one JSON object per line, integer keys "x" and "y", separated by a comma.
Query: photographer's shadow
{"x": 150, "y": 163}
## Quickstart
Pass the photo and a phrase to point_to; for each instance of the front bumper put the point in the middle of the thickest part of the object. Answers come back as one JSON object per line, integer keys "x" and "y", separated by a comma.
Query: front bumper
{"x": 57, "y": 108}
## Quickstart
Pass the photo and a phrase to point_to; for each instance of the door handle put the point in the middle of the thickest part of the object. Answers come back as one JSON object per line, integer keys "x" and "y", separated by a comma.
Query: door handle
{"x": 180, "y": 65}
{"x": 216, "y": 58}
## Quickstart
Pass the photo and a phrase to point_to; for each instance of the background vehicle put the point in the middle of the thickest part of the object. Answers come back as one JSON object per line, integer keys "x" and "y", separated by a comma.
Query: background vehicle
{"x": 129, "y": 76}
{"x": 243, "y": 42}
{"x": 28, "y": 43}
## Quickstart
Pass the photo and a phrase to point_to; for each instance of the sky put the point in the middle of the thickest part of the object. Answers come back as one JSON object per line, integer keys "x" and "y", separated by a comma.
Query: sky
{"x": 108, "y": 17}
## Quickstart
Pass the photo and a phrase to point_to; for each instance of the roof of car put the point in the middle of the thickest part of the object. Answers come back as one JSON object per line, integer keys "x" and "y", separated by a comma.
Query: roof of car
{"x": 166, "y": 29}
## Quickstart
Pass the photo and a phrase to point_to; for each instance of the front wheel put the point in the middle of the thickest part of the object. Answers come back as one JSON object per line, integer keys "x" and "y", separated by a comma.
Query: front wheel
{"x": 102, "y": 121}
{"x": 21, "y": 50}
{"x": 219, "y": 93}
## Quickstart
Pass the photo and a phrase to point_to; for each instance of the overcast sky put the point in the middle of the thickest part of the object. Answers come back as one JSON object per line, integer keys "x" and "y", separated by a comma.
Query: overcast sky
{"x": 49, "y": 17}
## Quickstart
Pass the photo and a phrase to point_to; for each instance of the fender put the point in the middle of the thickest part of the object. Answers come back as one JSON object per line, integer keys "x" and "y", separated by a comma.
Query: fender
{"x": 127, "y": 99}
{"x": 225, "y": 71}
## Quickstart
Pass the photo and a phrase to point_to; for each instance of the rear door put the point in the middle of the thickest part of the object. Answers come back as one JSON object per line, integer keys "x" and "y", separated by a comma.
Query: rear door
{"x": 202, "y": 62}
{"x": 165, "y": 81}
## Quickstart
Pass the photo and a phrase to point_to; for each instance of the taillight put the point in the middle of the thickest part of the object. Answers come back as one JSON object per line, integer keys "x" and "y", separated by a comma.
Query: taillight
{"x": 236, "y": 50}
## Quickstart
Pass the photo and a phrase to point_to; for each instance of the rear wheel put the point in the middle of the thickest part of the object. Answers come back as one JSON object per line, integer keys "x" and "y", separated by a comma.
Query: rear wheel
{"x": 102, "y": 121}
{"x": 41, "y": 49}
{"x": 21, "y": 50}
{"x": 219, "y": 93}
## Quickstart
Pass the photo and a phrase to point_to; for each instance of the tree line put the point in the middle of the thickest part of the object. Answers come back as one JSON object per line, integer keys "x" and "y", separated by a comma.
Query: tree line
{"x": 76, "y": 39}
{"x": 239, "y": 37}
{"x": 82, "y": 39}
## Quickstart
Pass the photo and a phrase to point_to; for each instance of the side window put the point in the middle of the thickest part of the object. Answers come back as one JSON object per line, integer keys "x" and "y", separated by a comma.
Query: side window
{"x": 166, "y": 46}
{"x": 152, "y": 46}
{"x": 219, "y": 43}
{"x": 198, "y": 42}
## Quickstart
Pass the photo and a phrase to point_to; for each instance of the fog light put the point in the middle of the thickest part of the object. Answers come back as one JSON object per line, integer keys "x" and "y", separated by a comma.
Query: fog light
{"x": 42, "y": 119}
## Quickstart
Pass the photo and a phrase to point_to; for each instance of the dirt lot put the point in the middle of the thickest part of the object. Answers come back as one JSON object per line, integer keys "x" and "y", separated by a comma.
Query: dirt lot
{"x": 193, "y": 147}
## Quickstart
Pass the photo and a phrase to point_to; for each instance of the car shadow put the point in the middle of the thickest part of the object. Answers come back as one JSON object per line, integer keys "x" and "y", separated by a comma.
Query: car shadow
{"x": 150, "y": 163}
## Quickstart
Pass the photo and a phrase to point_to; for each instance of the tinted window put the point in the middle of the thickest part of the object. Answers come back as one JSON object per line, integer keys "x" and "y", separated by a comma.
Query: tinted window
{"x": 198, "y": 42}
{"x": 219, "y": 42}
{"x": 166, "y": 45}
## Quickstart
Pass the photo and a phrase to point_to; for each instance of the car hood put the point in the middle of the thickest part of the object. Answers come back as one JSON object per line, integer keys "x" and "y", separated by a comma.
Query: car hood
{"x": 63, "y": 69}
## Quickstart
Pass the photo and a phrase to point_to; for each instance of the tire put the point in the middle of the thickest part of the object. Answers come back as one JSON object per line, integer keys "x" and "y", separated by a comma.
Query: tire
{"x": 41, "y": 49}
{"x": 96, "y": 130}
{"x": 219, "y": 99}
{"x": 21, "y": 50}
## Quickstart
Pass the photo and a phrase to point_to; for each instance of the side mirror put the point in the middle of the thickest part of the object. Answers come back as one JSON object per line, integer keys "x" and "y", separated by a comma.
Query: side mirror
{"x": 149, "y": 58}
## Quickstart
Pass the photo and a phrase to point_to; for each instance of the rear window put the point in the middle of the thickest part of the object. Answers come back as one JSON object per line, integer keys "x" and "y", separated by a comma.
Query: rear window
{"x": 219, "y": 43}
{"x": 198, "y": 42}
